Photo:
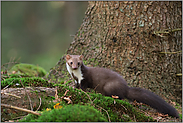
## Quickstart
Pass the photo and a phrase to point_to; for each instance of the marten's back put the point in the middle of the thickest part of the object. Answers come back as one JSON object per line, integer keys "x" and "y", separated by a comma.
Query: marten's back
{"x": 102, "y": 75}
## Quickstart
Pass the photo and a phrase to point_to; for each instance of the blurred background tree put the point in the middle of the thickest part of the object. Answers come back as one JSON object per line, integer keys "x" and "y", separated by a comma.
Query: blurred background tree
{"x": 38, "y": 32}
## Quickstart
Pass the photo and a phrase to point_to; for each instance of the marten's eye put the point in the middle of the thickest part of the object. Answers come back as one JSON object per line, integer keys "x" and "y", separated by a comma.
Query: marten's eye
{"x": 71, "y": 63}
{"x": 78, "y": 63}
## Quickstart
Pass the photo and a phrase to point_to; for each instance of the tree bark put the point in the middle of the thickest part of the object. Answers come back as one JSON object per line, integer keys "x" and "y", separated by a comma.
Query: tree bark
{"x": 140, "y": 40}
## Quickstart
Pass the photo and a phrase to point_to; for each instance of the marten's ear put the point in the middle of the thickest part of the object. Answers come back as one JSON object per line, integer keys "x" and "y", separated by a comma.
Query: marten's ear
{"x": 68, "y": 57}
{"x": 81, "y": 57}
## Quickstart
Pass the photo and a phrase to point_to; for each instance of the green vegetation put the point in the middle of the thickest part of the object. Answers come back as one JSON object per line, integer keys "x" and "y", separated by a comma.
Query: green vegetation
{"x": 28, "y": 69}
{"x": 115, "y": 110}
{"x": 86, "y": 106}
{"x": 70, "y": 113}
{"x": 15, "y": 80}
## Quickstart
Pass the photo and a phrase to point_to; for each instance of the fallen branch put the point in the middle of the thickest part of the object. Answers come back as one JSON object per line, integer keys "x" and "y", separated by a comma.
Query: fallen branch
{"x": 21, "y": 109}
{"x": 10, "y": 94}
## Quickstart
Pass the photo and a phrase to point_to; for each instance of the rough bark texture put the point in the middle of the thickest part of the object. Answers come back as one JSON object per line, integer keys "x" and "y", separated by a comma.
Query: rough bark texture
{"x": 124, "y": 37}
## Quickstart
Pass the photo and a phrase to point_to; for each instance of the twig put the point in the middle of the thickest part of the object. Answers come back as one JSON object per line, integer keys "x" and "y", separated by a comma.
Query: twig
{"x": 21, "y": 109}
{"x": 124, "y": 107}
{"x": 65, "y": 92}
{"x": 94, "y": 99}
{"x": 8, "y": 63}
{"x": 88, "y": 96}
{"x": 8, "y": 85}
{"x": 39, "y": 104}
{"x": 105, "y": 111}
{"x": 11, "y": 95}
{"x": 96, "y": 87}
{"x": 12, "y": 60}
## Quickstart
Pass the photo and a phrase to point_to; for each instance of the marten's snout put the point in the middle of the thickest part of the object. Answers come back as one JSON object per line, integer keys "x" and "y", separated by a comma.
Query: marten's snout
{"x": 74, "y": 67}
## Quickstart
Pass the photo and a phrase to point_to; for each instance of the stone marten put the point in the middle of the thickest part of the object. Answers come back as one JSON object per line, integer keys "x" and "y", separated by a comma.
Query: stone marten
{"x": 108, "y": 83}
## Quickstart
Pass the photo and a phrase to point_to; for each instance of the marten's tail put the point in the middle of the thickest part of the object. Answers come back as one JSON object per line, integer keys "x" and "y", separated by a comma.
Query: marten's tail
{"x": 151, "y": 99}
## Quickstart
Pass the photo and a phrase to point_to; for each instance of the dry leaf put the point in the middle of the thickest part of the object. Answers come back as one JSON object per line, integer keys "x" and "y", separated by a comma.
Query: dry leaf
{"x": 162, "y": 115}
{"x": 68, "y": 99}
{"x": 115, "y": 97}
{"x": 172, "y": 103}
{"x": 57, "y": 106}
{"x": 48, "y": 109}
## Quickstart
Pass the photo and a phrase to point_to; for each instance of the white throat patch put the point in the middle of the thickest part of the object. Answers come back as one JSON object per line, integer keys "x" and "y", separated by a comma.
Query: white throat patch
{"x": 76, "y": 73}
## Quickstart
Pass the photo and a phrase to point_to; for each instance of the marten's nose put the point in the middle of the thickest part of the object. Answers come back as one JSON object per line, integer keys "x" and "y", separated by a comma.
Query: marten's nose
{"x": 75, "y": 67}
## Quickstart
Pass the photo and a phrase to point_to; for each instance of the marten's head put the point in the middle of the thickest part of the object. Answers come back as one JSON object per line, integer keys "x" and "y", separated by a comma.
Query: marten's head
{"x": 74, "y": 61}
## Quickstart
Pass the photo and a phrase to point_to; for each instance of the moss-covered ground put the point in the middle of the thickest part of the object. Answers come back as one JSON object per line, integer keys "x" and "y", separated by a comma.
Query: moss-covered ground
{"x": 84, "y": 106}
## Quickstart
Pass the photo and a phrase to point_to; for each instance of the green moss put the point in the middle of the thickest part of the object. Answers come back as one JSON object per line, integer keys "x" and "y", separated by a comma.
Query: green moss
{"x": 12, "y": 81}
{"x": 116, "y": 108}
{"x": 28, "y": 69}
{"x": 70, "y": 113}
{"x": 29, "y": 118}
{"x": 119, "y": 110}
{"x": 180, "y": 116}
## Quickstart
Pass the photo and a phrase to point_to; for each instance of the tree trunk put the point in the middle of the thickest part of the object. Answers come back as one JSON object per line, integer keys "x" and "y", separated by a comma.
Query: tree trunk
{"x": 140, "y": 40}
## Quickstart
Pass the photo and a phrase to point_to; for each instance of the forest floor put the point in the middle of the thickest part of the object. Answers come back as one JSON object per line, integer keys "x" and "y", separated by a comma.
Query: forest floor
{"x": 35, "y": 93}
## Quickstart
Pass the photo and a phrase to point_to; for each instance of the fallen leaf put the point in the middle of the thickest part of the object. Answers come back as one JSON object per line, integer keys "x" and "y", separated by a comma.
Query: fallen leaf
{"x": 162, "y": 115}
{"x": 172, "y": 103}
{"x": 48, "y": 109}
{"x": 115, "y": 97}
{"x": 68, "y": 99}
{"x": 57, "y": 106}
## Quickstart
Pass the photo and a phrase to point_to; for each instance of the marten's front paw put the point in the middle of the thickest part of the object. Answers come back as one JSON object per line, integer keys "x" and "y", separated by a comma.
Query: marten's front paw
{"x": 77, "y": 86}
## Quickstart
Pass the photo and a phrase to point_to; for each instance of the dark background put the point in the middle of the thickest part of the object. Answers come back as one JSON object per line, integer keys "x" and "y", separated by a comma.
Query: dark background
{"x": 38, "y": 32}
